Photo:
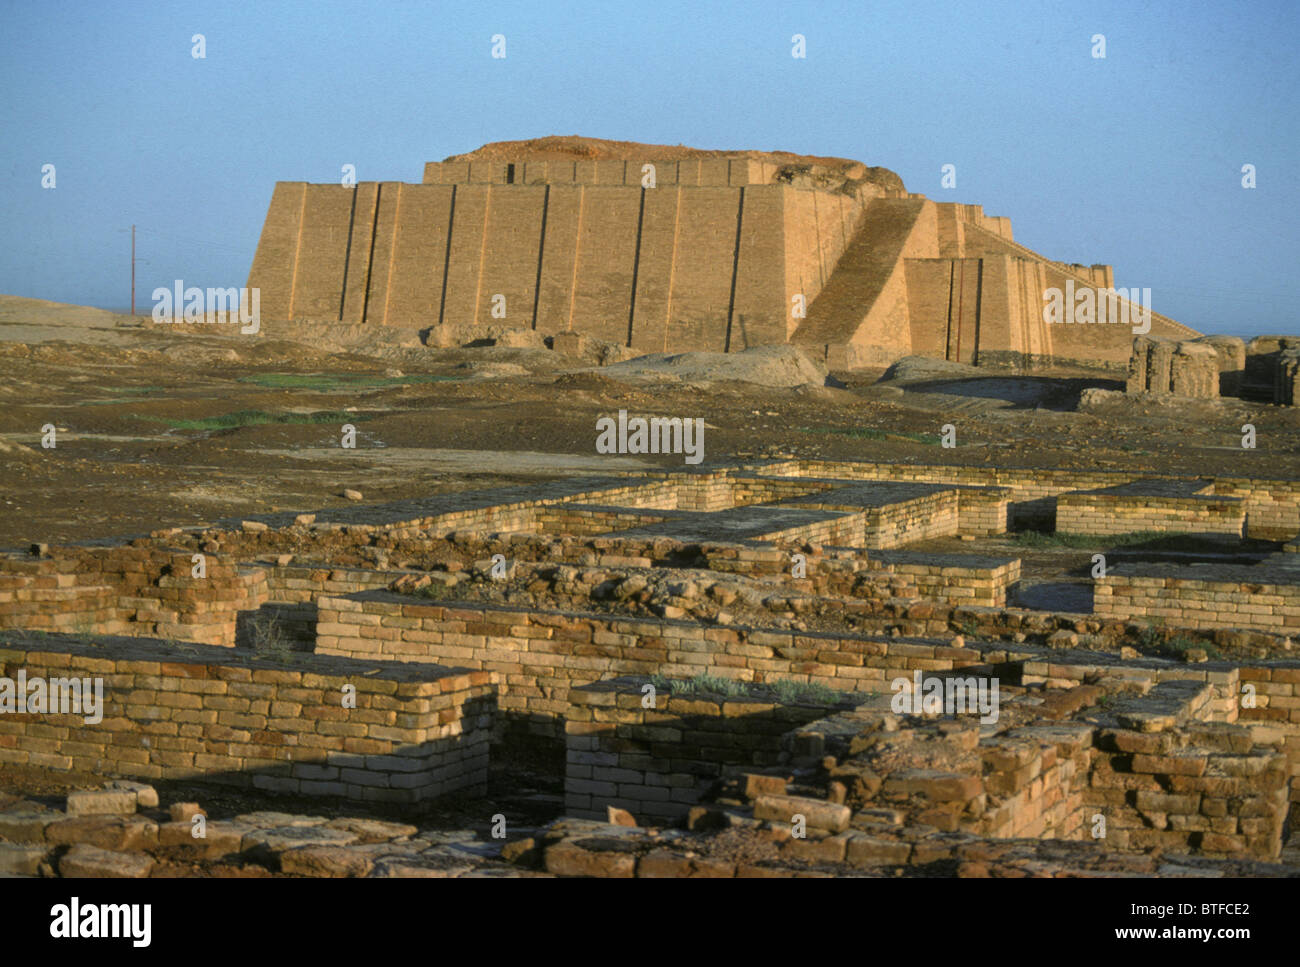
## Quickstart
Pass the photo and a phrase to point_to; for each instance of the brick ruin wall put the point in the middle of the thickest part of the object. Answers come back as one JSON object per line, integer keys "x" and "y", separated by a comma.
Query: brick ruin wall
{"x": 1272, "y": 506}
{"x": 1224, "y": 597}
{"x": 656, "y": 763}
{"x": 1167, "y": 367}
{"x": 1184, "y": 783}
{"x": 1286, "y": 381}
{"x": 1265, "y": 369}
{"x": 539, "y": 656}
{"x": 417, "y": 731}
{"x": 145, "y": 589}
{"x": 1264, "y": 696}
{"x": 692, "y": 172}
{"x": 1103, "y": 514}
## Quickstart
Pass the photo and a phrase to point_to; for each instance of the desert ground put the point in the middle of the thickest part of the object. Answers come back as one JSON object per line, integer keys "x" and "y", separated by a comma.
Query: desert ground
{"x": 150, "y": 433}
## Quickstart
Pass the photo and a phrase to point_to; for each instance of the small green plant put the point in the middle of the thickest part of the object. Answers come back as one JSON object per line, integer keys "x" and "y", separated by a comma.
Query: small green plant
{"x": 810, "y": 693}
{"x": 132, "y": 390}
{"x": 1151, "y": 637}
{"x": 785, "y": 690}
{"x": 867, "y": 433}
{"x": 703, "y": 683}
{"x": 1176, "y": 646}
{"x": 268, "y": 639}
{"x": 1154, "y": 639}
{"x": 257, "y": 418}
{"x": 342, "y": 382}
{"x": 431, "y": 590}
{"x": 1043, "y": 540}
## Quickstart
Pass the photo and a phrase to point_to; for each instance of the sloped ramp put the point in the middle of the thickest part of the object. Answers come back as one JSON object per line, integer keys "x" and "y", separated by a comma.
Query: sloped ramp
{"x": 861, "y": 289}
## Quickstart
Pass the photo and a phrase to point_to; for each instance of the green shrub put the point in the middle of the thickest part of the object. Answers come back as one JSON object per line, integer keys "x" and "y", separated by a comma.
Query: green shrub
{"x": 784, "y": 690}
{"x": 257, "y": 418}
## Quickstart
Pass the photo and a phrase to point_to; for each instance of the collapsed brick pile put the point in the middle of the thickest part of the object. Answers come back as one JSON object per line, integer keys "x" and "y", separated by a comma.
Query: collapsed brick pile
{"x": 121, "y": 832}
{"x": 1130, "y": 763}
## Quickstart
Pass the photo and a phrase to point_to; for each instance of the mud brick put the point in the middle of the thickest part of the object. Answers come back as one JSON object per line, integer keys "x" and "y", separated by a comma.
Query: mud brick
{"x": 102, "y": 802}
{"x": 1245, "y": 765}
{"x": 146, "y": 796}
{"x": 761, "y": 785}
{"x": 26, "y": 826}
{"x": 1170, "y": 765}
{"x": 817, "y": 813}
{"x": 937, "y": 786}
{"x": 89, "y": 861}
{"x": 568, "y": 858}
{"x": 1221, "y": 843}
{"x": 865, "y": 850}
{"x": 923, "y": 852}
{"x": 22, "y": 859}
{"x": 829, "y": 849}
{"x": 106, "y": 832}
{"x": 1168, "y": 803}
{"x": 325, "y": 861}
{"x": 1146, "y": 743}
{"x": 665, "y": 863}
{"x": 179, "y": 833}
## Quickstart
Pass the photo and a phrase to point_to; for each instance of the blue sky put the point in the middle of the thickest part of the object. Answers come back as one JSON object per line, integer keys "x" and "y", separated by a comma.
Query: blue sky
{"x": 1134, "y": 160}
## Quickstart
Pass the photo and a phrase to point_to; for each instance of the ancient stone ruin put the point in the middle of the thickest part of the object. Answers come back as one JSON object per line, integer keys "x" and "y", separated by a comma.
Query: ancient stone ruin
{"x": 739, "y": 670}
{"x": 1264, "y": 369}
{"x": 669, "y": 249}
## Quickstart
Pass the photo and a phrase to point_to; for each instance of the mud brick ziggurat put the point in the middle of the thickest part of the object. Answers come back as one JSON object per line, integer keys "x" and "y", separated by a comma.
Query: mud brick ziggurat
{"x": 714, "y": 257}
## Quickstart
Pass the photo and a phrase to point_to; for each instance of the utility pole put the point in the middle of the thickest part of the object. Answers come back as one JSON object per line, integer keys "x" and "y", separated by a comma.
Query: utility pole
{"x": 133, "y": 270}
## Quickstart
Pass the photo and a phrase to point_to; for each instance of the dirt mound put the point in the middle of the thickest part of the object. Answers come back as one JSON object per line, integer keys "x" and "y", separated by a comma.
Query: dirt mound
{"x": 574, "y": 147}
{"x": 16, "y": 451}
{"x": 770, "y": 366}
{"x": 33, "y": 321}
{"x": 915, "y": 368}
{"x": 17, "y": 309}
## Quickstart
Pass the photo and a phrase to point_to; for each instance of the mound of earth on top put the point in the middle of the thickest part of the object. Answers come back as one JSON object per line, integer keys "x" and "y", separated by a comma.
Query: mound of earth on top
{"x": 771, "y": 366}
{"x": 574, "y": 147}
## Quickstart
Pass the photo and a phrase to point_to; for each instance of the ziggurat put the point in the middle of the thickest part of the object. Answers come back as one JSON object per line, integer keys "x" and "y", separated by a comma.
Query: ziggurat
{"x": 727, "y": 251}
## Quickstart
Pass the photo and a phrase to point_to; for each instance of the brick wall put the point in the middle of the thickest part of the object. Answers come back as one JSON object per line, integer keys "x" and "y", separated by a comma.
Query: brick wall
{"x": 1102, "y": 514}
{"x": 1177, "y": 781}
{"x": 417, "y": 731}
{"x": 1271, "y": 705}
{"x": 540, "y": 656}
{"x": 1219, "y": 596}
{"x": 565, "y": 252}
{"x": 139, "y": 589}
{"x": 658, "y": 762}
{"x": 1272, "y": 506}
